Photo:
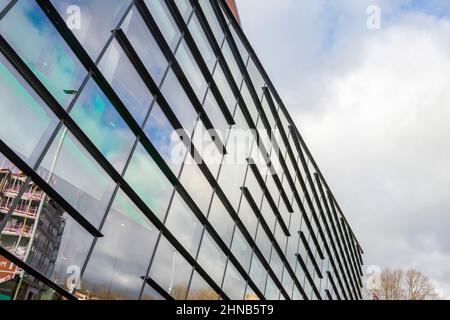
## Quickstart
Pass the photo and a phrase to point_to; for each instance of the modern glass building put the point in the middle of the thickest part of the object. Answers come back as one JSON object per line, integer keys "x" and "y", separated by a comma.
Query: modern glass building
{"x": 145, "y": 154}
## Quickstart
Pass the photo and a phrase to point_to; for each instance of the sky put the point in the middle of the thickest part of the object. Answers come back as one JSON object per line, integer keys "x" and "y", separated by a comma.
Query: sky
{"x": 372, "y": 105}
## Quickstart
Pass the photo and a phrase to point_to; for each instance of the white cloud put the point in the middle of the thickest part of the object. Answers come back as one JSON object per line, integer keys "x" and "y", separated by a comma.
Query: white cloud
{"x": 373, "y": 108}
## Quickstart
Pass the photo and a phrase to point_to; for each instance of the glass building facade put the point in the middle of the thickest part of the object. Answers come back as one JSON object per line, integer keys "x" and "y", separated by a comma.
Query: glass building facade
{"x": 145, "y": 154}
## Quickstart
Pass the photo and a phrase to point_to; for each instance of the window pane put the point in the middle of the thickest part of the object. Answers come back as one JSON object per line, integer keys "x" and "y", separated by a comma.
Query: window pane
{"x": 248, "y": 217}
{"x": 184, "y": 225}
{"x": 179, "y": 102}
{"x": 41, "y": 233}
{"x": 202, "y": 42}
{"x": 77, "y": 177}
{"x": 272, "y": 291}
{"x": 164, "y": 20}
{"x": 258, "y": 273}
{"x": 212, "y": 20}
{"x": 30, "y": 288}
{"x": 191, "y": 70}
{"x": 207, "y": 148}
{"x": 170, "y": 270}
{"x": 126, "y": 82}
{"x": 151, "y": 294}
{"x": 148, "y": 182}
{"x": 196, "y": 184}
{"x": 101, "y": 122}
{"x": 234, "y": 284}
{"x": 225, "y": 89}
{"x": 145, "y": 45}
{"x": 3, "y": 4}
{"x": 199, "y": 289}
{"x": 121, "y": 258}
{"x": 215, "y": 114}
{"x": 232, "y": 64}
{"x": 212, "y": 258}
{"x": 162, "y": 135}
{"x": 241, "y": 249}
{"x": 221, "y": 220}
{"x": 33, "y": 37}
{"x": 98, "y": 18}
{"x": 184, "y": 7}
{"x": 30, "y": 122}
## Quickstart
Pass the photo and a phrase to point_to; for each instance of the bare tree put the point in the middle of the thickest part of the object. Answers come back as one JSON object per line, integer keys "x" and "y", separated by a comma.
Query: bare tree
{"x": 391, "y": 284}
{"x": 418, "y": 286}
{"x": 396, "y": 284}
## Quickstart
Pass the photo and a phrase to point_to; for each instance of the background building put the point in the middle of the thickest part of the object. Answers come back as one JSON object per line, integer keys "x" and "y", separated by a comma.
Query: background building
{"x": 162, "y": 161}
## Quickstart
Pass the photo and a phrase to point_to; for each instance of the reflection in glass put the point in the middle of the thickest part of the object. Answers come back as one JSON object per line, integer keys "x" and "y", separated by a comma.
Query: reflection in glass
{"x": 199, "y": 289}
{"x": 145, "y": 45}
{"x": 121, "y": 258}
{"x": 77, "y": 177}
{"x": 33, "y": 37}
{"x": 151, "y": 294}
{"x": 28, "y": 122}
{"x": 233, "y": 284}
{"x": 241, "y": 249}
{"x": 170, "y": 270}
{"x": 212, "y": 258}
{"x": 101, "y": 122}
{"x": 125, "y": 81}
{"x": 96, "y": 20}
{"x": 184, "y": 225}
{"x": 212, "y": 20}
{"x": 196, "y": 184}
{"x": 191, "y": 70}
{"x": 202, "y": 42}
{"x": 28, "y": 289}
{"x": 41, "y": 233}
{"x": 185, "y": 8}
{"x": 148, "y": 182}
{"x": 221, "y": 220}
{"x": 165, "y": 21}
{"x": 179, "y": 102}
{"x": 258, "y": 273}
{"x": 164, "y": 138}
{"x": 225, "y": 89}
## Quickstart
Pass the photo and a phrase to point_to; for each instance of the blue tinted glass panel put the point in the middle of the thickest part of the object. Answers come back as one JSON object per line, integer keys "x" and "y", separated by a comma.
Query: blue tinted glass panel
{"x": 30, "y": 122}
{"x": 101, "y": 122}
{"x": 122, "y": 256}
{"x": 148, "y": 182}
{"x": 126, "y": 82}
{"x": 91, "y": 21}
{"x": 73, "y": 173}
{"x": 33, "y": 37}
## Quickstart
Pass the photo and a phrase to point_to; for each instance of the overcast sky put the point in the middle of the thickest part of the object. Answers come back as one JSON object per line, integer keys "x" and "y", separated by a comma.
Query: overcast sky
{"x": 374, "y": 109}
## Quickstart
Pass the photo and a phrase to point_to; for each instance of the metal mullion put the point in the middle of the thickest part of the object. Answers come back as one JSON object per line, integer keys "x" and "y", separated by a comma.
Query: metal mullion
{"x": 269, "y": 198}
{"x": 241, "y": 64}
{"x": 282, "y": 192}
{"x": 35, "y": 273}
{"x": 352, "y": 252}
{"x": 311, "y": 255}
{"x": 314, "y": 192}
{"x": 178, "y": 71}
{"x": 308, "y": 276}
{"x": 199, "y": 60}
{"x": 327, "y": 228}
{"x": 341, "y": 242}
{"x": 351, "y": 257}
{"x": 152, "y": 283}
{"x": 277, "y": 247}
{"x": 7, "y": 8}
{"x": 261, "y": 69}
{"x": 333, "y": 285}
